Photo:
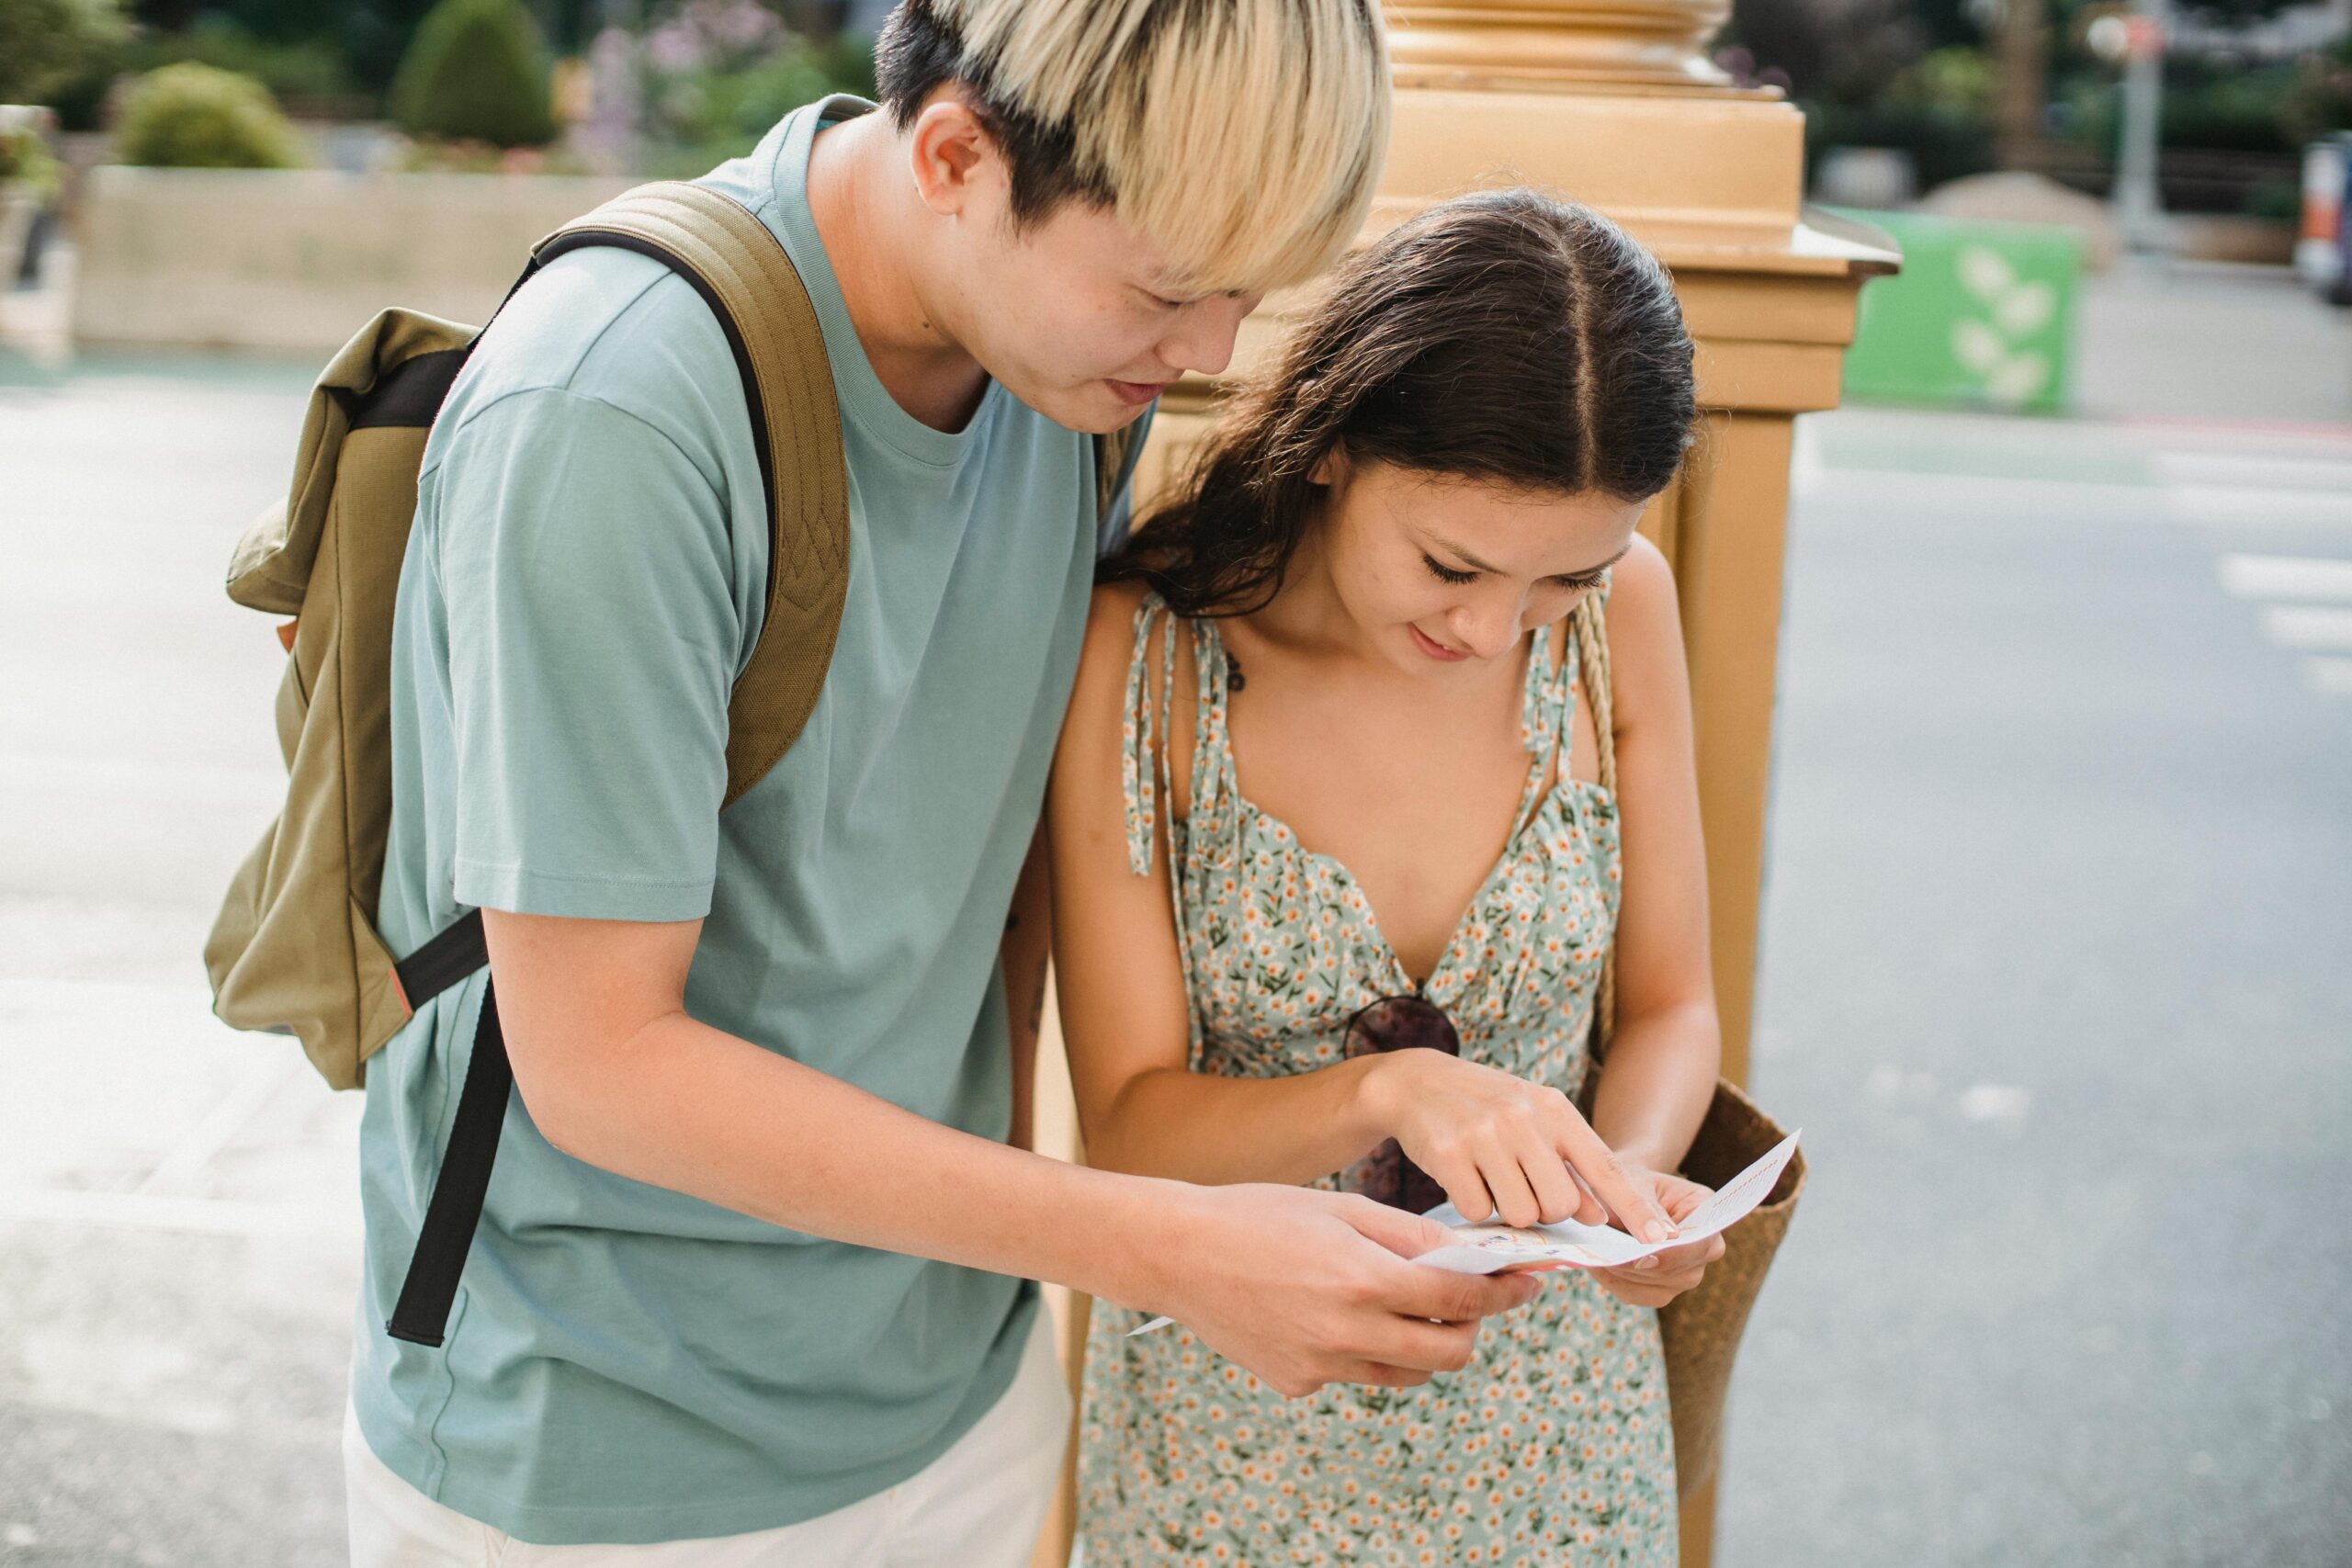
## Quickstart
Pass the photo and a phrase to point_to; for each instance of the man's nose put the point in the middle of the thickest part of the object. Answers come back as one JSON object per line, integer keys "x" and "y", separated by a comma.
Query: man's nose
{"x": 1203, "y": 339}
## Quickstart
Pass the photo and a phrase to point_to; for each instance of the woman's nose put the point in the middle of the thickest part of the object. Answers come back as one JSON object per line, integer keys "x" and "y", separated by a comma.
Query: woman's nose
{"x": 1489, "y": 627}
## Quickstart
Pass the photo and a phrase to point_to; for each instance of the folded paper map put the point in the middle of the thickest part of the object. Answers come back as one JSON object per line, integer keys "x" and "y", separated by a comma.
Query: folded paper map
{"x": 1496, "y": 1248}
{"x": 1492, "y": 1248}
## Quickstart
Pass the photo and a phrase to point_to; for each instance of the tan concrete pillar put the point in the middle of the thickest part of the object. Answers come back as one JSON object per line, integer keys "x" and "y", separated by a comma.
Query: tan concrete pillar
{"x": 1615, "y": 104}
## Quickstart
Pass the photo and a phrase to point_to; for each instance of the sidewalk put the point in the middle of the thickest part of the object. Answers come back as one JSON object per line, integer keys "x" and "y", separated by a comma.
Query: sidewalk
{"x": 177, "y": 1205}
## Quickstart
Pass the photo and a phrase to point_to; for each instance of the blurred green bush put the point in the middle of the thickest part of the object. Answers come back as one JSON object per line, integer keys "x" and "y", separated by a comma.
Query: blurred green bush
{"x": 26, "y": 162}
{"x": 198, "y": 117}
{"x": 476, "y": 72}
{"x": 46, "y": 45}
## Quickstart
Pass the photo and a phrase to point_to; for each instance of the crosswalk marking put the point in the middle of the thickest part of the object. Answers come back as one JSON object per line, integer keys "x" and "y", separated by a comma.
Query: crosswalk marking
{"x": 2297, "y": 578}
{"x": 2257, "y": 471}
{"x": 2308, "y": 629}
{"x": 2255, "y": 507}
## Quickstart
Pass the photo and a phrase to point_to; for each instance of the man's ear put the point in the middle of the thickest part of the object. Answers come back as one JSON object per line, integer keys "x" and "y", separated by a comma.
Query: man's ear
{"x": 954, "y": 157}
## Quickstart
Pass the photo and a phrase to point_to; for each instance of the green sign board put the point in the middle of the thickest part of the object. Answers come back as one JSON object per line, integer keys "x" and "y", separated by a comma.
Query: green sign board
{"x": 1981, "y": 316}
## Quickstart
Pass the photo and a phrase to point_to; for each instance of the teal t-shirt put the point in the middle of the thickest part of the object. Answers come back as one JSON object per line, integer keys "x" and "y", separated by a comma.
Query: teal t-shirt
{"x": 584, "y": 581}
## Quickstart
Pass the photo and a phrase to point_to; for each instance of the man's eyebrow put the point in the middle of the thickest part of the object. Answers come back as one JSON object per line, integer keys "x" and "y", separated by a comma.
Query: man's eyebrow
{"x": 1474, "y": 564}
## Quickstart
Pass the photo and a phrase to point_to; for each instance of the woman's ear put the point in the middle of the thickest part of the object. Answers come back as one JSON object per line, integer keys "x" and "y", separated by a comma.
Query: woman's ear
{"x": 1331, "y": 467}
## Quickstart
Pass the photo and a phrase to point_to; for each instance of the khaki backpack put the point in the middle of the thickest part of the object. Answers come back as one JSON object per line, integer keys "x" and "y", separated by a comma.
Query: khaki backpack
{"x": 295, "y": 949}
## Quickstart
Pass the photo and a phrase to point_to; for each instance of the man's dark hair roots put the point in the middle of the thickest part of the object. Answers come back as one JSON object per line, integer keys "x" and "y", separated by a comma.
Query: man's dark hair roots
{"x": 918, "y": 53}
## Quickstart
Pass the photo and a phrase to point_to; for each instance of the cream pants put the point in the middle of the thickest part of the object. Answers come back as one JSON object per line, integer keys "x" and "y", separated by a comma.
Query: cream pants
{"x": 979, "y": 1504}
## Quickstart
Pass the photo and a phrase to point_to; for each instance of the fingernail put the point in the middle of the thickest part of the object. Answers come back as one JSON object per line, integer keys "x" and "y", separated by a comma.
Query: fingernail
{"x": 1655, "y": 1230}
{"x": 1646, "y": 1263}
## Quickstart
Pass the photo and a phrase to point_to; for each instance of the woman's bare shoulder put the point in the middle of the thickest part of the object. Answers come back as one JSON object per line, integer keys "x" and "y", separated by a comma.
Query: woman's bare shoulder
{"x": 1640, "y": 580}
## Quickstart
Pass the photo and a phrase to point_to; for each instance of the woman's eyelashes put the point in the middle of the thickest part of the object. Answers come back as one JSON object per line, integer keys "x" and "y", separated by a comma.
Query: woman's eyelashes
{"x": 1460, "y": 577}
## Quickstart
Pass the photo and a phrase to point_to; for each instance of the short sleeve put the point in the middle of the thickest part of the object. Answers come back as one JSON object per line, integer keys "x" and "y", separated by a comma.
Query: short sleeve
{"x": 593, "y": 637}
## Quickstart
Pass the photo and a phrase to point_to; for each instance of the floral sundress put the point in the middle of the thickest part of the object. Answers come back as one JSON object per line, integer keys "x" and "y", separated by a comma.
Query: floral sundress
{"x": 1553, "y": 1446}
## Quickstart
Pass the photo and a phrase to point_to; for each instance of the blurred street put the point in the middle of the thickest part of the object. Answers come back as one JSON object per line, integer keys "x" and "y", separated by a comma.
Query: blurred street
{"x": 2057, "y": 977}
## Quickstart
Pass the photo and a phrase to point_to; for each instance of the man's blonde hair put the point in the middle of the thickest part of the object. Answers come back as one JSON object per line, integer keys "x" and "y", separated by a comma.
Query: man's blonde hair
{"x": 1242, "y": 138}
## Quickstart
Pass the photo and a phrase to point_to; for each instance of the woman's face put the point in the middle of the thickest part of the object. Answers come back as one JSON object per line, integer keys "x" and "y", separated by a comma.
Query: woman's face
{"x": 1444, "y": 573}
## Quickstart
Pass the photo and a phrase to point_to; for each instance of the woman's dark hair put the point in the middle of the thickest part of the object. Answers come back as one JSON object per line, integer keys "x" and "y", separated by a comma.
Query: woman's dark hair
{"x": 1504, "y": 336}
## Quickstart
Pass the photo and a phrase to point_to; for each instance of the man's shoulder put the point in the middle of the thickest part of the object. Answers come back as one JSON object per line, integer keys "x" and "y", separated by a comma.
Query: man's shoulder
{"x": 612, "y": 327}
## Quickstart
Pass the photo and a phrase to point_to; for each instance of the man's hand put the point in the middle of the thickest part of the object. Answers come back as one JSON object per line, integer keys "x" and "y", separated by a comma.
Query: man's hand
{"x": 1657, "y": 1280}
{"x": 1307, "y": 1287}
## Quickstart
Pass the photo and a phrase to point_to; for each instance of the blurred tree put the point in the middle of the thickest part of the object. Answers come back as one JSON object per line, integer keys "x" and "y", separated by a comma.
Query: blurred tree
{"x": 476, "y": 72}
{"x": 47, "y": 44}
{"x": 1835, "y": 50}
{"x": 2021, "y": 34}
{"x": 2320, "y": 99}
{"x": 309, "y": 69}
{"x": 719, "y": 73}
{"x": 2237, "y": 13}
{"x": 370, "y": 35}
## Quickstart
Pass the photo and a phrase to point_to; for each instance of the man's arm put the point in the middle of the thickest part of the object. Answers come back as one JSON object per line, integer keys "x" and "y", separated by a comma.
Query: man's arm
{"x": 1302, "y": 1287}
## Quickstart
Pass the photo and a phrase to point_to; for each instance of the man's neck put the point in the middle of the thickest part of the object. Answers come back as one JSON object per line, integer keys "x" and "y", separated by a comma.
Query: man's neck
{"x": 869, "y": 218}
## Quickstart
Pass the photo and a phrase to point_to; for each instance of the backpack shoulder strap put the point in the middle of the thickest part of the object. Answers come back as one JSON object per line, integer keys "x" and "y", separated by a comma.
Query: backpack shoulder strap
{"x": 735, "y": 262}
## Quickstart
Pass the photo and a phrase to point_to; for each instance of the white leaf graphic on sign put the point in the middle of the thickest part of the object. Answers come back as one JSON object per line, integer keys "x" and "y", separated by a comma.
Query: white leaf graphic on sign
{"x": 1977, "y": 345}
{"x": 2026, "y": 309}
{"x": 1986, "y": 273}
{"x": 2018, "y": 377}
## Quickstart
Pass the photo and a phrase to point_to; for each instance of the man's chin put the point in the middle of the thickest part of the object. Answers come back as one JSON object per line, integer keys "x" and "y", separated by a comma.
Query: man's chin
{"x": 1091, "y": 407}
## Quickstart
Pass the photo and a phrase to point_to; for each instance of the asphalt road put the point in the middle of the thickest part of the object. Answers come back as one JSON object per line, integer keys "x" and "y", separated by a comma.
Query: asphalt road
{"x": 2057, "y": 979}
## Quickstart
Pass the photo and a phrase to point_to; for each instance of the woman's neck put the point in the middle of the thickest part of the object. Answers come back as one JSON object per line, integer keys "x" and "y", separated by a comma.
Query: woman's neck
{"x": 1306, "y": 613}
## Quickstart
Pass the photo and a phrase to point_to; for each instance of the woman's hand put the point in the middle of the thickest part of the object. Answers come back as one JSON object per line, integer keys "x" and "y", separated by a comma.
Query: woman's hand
{"x": 1503, "y": 1147}
{"x": 1657, "y": 1280}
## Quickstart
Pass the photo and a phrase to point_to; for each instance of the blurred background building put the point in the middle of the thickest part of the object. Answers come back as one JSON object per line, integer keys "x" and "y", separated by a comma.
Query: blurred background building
{"x": 2054, "y": 958}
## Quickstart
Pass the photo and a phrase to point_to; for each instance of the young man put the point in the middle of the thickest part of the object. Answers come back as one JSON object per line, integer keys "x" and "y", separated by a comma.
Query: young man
{"x": 750, "y": 1277}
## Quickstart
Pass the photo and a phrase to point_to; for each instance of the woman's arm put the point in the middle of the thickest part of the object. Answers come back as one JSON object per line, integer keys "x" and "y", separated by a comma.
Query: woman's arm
{"x": 1668, "y": 1046}
{"x": 1493, "y": 1141}
{"x": 1119, "y": 982}
{"x": 1028, "y": 937}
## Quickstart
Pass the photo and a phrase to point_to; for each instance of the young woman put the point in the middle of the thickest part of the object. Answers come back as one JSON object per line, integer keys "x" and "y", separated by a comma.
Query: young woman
{"x": 1334, "y": 879}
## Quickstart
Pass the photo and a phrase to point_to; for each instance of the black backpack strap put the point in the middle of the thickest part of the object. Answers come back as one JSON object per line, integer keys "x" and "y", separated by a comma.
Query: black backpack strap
{"x": 422, "y": 1314}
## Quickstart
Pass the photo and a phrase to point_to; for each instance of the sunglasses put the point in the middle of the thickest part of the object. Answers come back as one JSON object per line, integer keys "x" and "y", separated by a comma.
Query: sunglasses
{"x": 1398, "y": 1023}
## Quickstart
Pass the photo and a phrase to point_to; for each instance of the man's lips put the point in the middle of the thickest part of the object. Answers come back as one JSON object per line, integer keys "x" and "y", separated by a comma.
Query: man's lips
{"x": 1434, "y": 649}
{"x": 1139, "y": 392}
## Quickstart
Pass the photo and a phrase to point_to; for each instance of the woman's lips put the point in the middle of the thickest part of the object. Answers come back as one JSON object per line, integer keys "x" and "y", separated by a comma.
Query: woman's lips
{"x": 1434, "y": 649}
{"x": 1138, "y": 393}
